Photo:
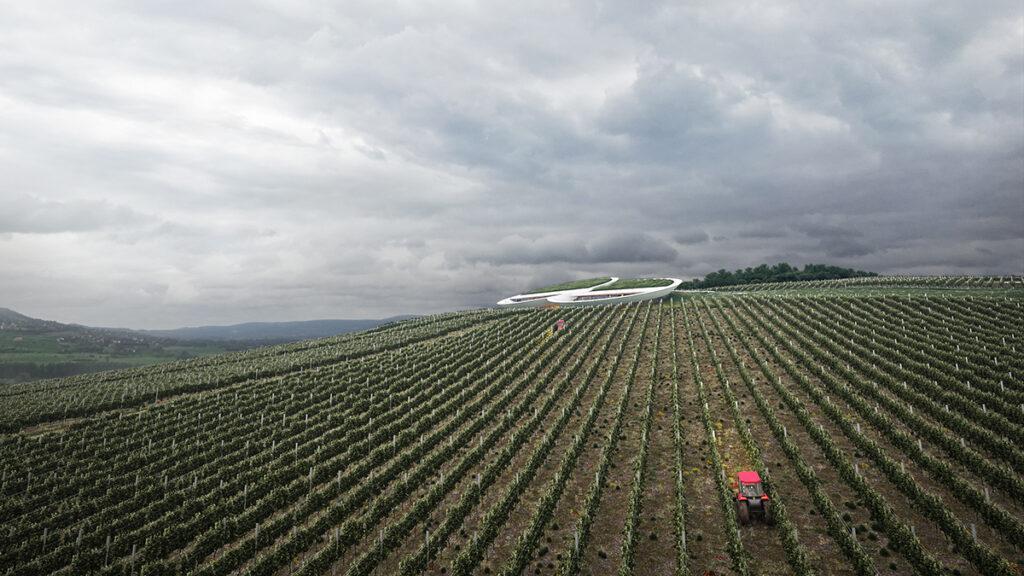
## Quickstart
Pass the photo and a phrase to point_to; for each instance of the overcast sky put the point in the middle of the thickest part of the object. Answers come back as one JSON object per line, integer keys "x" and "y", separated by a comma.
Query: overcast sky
{"x": 167, "y": 163}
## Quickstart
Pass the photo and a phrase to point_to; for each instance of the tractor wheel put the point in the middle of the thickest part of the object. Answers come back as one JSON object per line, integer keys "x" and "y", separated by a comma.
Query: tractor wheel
{"x": 768, "y": 518}
{"x": 743, "y": 511}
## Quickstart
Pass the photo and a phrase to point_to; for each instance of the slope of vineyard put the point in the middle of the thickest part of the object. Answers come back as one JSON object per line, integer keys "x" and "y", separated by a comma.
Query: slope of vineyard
{"x": 888, "y": 428}
{"x": 917, "y": 282}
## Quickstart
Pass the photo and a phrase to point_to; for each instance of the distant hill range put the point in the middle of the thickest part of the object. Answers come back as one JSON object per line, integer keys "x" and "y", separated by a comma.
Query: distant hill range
{"x": 11, "y": 320}
{"x": 272, "y": 331}
{"x": 276, "y": 332}
{"x": 31, "y": 348}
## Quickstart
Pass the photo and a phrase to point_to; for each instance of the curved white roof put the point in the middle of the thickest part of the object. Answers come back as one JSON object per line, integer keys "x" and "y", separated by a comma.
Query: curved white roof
{"x": 589, "y": 296}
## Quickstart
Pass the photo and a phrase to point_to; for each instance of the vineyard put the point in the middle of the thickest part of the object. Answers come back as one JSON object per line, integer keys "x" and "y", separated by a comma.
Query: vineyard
{"x": 916, "y": 282}
{"x": 887, "y": 427}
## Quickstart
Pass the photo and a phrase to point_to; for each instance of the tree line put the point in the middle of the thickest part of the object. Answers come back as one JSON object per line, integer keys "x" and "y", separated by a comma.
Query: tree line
{"x": 781, "y": 272}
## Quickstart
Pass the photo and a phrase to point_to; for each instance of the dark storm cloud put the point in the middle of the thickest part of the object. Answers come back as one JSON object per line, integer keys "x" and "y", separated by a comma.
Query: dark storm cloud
{"x": 607, "y": 248}
{"x": 835, "y": 241}
{"x": 839, "y": 247}
{"x": 763, "y": 233}
{"x": 691, "y": 237}
{"x": 822, "y": 230}
{"x": 631, "y": 247}
{"x": 183, "y": 163}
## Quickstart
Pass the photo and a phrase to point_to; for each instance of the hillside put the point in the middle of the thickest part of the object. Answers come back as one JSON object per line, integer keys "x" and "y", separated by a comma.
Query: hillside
{"x": 884, "y": 420}
{"x": 14, "y": 321}
{"x": 31, "y": 349}
{"x": 273, "y": 331}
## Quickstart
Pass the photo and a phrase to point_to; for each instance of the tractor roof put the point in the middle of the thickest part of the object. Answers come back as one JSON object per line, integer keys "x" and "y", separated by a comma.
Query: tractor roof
{"x": 749, "y": 477}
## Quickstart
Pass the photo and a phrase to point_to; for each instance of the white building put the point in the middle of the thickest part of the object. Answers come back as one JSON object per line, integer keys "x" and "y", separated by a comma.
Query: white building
{"x": 603, "y": 293}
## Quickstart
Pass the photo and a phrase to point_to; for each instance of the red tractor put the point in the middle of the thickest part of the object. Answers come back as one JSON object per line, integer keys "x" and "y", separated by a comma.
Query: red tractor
{"x": 751, "y": 499}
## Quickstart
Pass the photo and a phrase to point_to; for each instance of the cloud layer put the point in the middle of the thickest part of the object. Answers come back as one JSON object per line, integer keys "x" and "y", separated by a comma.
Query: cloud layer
{"x": 164, "y": 164}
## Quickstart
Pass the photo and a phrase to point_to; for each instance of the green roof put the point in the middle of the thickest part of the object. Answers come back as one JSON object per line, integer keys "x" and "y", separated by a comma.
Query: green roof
{"x": 573, "y": 285}
{"x": 626, "y": 283}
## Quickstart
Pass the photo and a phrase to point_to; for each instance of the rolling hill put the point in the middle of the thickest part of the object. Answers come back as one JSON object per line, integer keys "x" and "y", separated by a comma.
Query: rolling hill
{"x": 31, "y": 348}
{"x": 884, "y": 422}
{"x": 274, "y": 332}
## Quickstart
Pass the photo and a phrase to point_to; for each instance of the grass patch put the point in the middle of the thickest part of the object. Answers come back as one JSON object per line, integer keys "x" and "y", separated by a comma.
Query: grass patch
{"x": 626, "y": 283}
{"x": 574, "y": 285}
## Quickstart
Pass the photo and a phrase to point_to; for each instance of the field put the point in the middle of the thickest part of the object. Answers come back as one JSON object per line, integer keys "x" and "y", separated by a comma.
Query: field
{"x": 29, "y": 356}
{"x": 886, "y": 422}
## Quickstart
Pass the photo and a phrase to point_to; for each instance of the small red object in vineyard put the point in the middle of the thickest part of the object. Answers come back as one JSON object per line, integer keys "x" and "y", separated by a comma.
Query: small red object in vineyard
{"x": 751, "y": 499}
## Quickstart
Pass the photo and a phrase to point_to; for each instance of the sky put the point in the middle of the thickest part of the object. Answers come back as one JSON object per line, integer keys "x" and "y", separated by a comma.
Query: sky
{"x": 170, "y": 163}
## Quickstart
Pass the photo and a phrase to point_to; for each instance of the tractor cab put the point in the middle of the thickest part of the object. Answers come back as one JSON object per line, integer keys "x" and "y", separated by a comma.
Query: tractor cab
{"x": 751, "y": 499}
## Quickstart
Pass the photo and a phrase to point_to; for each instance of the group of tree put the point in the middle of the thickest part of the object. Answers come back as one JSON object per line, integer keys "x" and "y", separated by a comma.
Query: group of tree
{"x": 781, "y": 272}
